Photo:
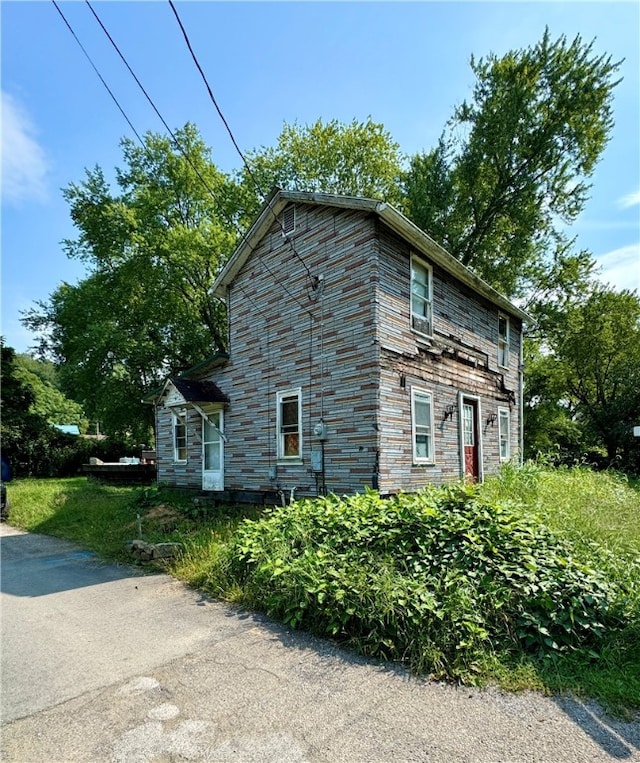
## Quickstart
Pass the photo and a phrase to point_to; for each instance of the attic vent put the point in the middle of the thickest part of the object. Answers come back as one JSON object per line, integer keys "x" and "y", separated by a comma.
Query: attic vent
{"x": 289, "y": 220}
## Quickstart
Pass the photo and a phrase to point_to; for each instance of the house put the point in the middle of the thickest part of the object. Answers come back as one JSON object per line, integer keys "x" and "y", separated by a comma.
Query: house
{"x": 361, "y": 354}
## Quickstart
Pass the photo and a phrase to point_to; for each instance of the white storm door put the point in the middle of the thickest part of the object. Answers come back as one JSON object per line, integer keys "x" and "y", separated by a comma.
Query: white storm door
{"x": 212, "y": 452}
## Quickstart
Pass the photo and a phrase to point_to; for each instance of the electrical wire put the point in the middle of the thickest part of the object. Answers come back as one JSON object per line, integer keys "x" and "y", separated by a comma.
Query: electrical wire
{"x": 95, "y": 69}
{"x": 185, "y": 154}
{"x": 235, "y": 143}
{"x": 175, "y": 140}
{"x": 157, "y": 111}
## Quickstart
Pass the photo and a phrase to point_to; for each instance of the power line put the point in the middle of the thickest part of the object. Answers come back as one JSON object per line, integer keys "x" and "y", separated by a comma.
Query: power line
{"x": 175, "y": 140}
{"x": 233, "y": 140}
{"x": 177, "y": 143}
{"x": 95, "y": 69}
{"x": 157, "y": 111}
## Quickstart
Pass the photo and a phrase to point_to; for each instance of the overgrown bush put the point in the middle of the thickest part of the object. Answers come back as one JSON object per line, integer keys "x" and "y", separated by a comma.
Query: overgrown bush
{"x": 435, "y": 579}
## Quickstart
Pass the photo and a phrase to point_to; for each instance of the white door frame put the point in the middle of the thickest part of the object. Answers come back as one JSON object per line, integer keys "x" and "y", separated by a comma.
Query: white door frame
{"x": 213, "y": 479}
{"x": 462, "y": 396}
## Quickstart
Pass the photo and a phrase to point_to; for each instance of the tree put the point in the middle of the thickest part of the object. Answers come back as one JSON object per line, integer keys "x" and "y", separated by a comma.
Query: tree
{"x": 153, "y": 250}
{"x": 49, "y": 402}
{"x": 20, "y": 428}
{"x": 596, "y": 352}
{"x": 357, "y": 159}
{"x": 513, "y": 164}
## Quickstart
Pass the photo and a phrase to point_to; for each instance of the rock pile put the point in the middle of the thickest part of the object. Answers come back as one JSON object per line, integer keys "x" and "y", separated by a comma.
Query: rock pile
{"x": 152, "y": 552}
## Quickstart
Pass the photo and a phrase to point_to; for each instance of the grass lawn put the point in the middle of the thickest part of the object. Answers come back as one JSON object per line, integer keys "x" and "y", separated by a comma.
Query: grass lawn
{"x": 438, "y": 584}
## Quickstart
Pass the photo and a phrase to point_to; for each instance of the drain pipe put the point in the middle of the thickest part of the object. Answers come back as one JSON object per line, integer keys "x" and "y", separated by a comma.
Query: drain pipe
{"x": 291, "y": 497}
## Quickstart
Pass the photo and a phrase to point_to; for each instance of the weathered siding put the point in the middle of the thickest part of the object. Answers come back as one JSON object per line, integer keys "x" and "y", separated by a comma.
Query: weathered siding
{"x": 279, "y": 329}
{"x": 188, "y": 474}
{"x": 462, "y": 357}
{"x": 348, "y": 345}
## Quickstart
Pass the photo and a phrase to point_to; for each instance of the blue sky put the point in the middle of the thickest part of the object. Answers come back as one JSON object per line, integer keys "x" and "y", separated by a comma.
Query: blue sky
{"x": 404, "y": 64}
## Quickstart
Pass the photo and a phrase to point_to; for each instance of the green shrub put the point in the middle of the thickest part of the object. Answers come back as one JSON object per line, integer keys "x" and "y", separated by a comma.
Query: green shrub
{"x": 433, "y": 579}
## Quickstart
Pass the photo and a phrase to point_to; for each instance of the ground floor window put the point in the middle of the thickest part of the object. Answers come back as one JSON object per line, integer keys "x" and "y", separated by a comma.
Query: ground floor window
{"x": 180, "y": 436}
{"x": 289, "y": 424}
{"x": 422, "y": 426}
{"x": 503, "y": 433}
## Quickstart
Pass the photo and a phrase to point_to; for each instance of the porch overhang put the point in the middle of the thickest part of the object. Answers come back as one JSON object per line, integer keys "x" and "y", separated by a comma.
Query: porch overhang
{"x": 178, "y": 393}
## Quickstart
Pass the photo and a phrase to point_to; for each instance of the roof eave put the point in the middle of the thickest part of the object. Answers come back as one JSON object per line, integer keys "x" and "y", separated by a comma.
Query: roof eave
{"x": 278, "y": 199}
{"x": 427, "y": 246}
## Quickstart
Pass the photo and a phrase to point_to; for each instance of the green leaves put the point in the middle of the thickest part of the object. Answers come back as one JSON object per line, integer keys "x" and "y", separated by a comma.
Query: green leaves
{"x": 430, "y": 579}
{"x": 516, "y": 159}
{"x": 153, "y": 248}
{"x": 356, "y": 159}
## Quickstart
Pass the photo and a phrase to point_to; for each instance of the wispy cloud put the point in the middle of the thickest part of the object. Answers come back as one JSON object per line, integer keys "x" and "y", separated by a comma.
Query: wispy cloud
{"x": 630, "y": 200}
{"x": 24, "y": 163}
{"x": 621, "y": 267}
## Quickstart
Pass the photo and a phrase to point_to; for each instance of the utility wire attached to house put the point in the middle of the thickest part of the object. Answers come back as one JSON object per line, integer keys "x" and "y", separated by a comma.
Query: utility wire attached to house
{"x": 237, "y": 147}
{"x": 172, "y": 135}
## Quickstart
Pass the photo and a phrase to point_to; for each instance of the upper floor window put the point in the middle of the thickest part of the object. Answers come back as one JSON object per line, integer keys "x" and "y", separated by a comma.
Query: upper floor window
{"x": 422, "y": 426}
{"x": 180, "y": 436}
{"x": 421, "y": 297}
{"x": 503, "y": 434}
{"x": 503, "y": 341}
{"x": 289, "y": 424}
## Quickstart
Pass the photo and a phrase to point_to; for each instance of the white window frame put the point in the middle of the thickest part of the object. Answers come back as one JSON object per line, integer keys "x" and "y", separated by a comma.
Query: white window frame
{"x": 288, "y": 394}
{"x": 421, "y": 429}
{"x": 179, "y": 418}
{"x": 503, "y": 341}
{"x": 504, "y": 433}
{"x": 428, "y": 300}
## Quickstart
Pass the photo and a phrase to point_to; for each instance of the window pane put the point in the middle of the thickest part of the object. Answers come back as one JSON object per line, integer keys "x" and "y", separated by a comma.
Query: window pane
{"x": 467, "y": 425}
{"x": 420, "y": 279}
{"x": 422, "y": 446}
{"x": 212, "y": 456}
{"x": 211, "y": 434}
{"x": 419, "y": 307}
{"x": 423, "y": 411}
{"x": 180, "y": 440}
{"x": 504, "y": 434}
{"x": 502, "y": 327}
{"x": 420, "y": 298}
{"x": 289, "y": 435}
{"x": 290, "y": 412}
{"x": 291, "y": 444}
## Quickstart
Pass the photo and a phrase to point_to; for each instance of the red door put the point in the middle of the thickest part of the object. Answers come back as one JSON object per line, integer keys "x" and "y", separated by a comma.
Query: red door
{"x": 470, "y": 439}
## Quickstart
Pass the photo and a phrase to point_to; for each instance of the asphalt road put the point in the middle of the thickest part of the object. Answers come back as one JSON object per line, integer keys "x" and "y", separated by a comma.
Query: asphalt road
{"x": 102, "y": 664}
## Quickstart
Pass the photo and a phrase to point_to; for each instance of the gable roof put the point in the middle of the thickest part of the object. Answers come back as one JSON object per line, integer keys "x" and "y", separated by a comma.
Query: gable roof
{"x": 395, "y": 220}
{"x": 194, "y": 391}
{"x": 189, "y": 391}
